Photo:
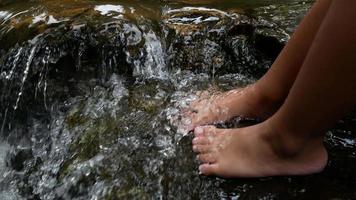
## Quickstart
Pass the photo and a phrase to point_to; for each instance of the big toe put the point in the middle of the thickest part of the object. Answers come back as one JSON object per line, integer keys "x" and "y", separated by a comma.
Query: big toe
{"x": 204, "y": 139}
{"x": 205, "y": 131}
{"x": 201, "y": 141}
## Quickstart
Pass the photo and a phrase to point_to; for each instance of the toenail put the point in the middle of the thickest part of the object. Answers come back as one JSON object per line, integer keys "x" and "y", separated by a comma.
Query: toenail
{"x": 200, "y": 169}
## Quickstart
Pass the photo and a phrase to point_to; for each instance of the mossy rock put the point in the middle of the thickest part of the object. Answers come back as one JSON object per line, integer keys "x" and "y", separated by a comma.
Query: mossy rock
{"x": 127, "y": 193}
{"x": 76, "y": 118}
{"x": 150, "y": 97}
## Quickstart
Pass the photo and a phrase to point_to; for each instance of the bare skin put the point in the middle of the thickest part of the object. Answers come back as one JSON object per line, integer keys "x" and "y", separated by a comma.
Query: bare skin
{"x": 290, "y": 142}
{"x": 263, "y": 98}
{"x": 245, "y": 153}
{"x": 222, "y": 107}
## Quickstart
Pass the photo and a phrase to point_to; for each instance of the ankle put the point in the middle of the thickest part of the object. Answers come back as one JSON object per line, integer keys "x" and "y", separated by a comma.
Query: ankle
{"x": 262, "y": 98}
{"x": 285, "y": 143}
{"x": 266, "y": 96}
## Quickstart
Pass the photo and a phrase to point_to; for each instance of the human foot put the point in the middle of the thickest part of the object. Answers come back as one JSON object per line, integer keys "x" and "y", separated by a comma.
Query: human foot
{"x": 245, "y": 102}
{"x": 246, "y": 153}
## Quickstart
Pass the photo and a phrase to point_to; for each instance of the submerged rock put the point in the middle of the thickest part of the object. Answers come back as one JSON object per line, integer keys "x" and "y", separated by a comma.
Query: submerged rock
{"x": 90, "y": 96}
{"x": 211, "y": 41}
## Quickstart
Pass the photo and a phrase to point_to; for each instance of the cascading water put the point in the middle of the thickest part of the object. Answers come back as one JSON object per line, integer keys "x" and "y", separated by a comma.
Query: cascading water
{"x": 91, "y": 95}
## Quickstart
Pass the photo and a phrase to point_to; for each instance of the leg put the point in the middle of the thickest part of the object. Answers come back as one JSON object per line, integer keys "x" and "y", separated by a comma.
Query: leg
{"x": 325, "y": 87}
{"x": 277, "y": 82}
{"x": 263, "y": 98}
{"x": 291, "y": 141}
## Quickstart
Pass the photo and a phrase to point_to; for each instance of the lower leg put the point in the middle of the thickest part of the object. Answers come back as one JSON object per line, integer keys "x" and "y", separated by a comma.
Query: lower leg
{"x": 291, "y": 141}
{"x": 325, "y": 86}
{"x": 276, "y": 83}
{"x": 263, "y": 98}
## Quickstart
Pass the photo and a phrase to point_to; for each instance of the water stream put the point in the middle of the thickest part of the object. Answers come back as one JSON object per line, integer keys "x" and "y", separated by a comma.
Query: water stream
{"x": 91, "y": 94}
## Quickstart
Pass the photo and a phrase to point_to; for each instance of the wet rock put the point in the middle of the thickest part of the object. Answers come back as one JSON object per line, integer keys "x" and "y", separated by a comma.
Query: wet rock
{"x": 127, "y": 193}
{"x": 195, "y": 38}
{"x": 269, "y": 45}
{"x": 149, "y": 97}
{"x": 275, "y": 23}
{"x": 97, "y": 89}
{"x": 53, "y": 65}
{"x": 216, "y": 42}
{"x": 17, "y": 159}
{"x": 282, "y": 16}
{"x": 50, "y": 68}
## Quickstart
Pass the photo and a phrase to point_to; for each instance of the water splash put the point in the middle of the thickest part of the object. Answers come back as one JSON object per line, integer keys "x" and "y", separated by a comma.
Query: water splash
{"x": 25, "y": 74}
{"x": 154, "y": 65}
{"x": 115, "y": 79}
{"x": 114, "y": 11}
{"x": 7, "y": 192}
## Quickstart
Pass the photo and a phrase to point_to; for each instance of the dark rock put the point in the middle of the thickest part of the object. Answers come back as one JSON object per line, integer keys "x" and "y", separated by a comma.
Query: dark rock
{"x": 98, "y": 103}
{"x": 268, "y": 45}
{"x": 17, "y": 159}
{"x": 218, "y": 43}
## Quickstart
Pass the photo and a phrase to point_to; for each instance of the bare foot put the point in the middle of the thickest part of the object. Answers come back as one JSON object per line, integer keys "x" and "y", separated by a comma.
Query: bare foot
{"x": 245, "y": 102}
{"x": 246, "y": 153}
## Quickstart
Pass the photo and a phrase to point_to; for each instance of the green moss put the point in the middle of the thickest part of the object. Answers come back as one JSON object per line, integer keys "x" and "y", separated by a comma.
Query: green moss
{"x": 88, "y": 144}
{"x": 127, "y": 192}
{"x": 102, "y": 132}
{"x": 143, "y": 97}
{"x": 99, "y": 132}
{"x": 75, "y": 117}
{"x": 67, "y": 167}
{"x": 104, "y": 173}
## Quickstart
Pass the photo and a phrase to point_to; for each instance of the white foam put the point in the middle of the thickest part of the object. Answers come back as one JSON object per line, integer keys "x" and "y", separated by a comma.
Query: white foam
{"x": 3, "y": 150}
{"x": 39, "y": 18}
{"x": 109, "y": 9}
{"x": 4, "y": 14}
{"x": 52, "y": 20}
{"x": 194, "y": 20}
{"x": 190, "y": 9}
{"x": 5, "y": 193}
{"x": 154, "y": 66}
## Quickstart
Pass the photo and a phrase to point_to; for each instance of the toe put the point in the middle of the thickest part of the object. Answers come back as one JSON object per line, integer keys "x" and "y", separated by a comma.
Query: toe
{"x": 194, "y": 104}
{"x": 209, "y": 169}
{"x": 201, "y": 148}
{"x": 205, "y": 131}
{"x": 201, "y": 141}
{"x": 199, "y": 131}
{"x": 209, "y": 158}
{"x": 209, "y": 130}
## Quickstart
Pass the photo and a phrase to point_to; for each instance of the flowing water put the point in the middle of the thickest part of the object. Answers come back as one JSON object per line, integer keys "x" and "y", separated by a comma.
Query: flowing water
{"x": 91, "y": 93}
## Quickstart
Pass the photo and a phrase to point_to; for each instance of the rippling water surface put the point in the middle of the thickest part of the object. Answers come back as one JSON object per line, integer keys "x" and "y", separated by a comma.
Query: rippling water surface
{"x": 91, "y": 93}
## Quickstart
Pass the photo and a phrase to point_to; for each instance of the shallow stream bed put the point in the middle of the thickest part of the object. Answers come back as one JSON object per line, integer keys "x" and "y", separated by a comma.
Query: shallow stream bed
{"x": 91, "y": 93}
